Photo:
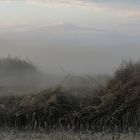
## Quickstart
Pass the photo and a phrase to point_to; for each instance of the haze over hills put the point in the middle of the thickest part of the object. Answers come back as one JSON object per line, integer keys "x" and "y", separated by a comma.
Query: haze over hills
{"x": 18, "y": 77}
{"x": 70, "y": 66}
{"x": 70, "y": 48}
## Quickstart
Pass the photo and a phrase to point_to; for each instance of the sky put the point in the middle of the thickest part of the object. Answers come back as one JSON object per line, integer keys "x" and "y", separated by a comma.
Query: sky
{"x": 64, "y": 36}
{"x": 89, "y": 13}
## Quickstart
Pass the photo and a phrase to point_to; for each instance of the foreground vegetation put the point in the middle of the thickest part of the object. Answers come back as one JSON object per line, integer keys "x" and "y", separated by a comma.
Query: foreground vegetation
{"x": 115, "y": 106}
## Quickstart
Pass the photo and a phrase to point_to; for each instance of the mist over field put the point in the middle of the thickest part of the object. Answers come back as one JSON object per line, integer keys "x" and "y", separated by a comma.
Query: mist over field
{"x": 70, "y": 69}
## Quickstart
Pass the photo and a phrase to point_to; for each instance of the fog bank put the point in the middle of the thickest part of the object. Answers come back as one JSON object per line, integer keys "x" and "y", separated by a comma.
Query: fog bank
{"x": 66, "y": 48}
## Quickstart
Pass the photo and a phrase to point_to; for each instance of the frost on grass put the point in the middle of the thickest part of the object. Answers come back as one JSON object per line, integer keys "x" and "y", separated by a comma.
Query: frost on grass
{"x": 15, "y": 135}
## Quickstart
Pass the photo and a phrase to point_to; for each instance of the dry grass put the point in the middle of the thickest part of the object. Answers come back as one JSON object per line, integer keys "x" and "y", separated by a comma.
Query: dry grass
{"x": 117, "y": 107}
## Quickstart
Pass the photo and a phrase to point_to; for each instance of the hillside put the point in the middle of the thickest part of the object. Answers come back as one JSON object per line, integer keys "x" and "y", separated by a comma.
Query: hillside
{"x": 18, "y": 76}
{"x": 114, "y": 106}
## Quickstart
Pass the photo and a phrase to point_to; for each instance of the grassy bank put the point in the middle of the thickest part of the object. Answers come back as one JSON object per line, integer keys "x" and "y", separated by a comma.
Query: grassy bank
{"x": 114, "y": 106}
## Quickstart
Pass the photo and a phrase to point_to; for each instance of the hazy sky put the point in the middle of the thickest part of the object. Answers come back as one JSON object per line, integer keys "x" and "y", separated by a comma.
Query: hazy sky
{"x": 79, "y": 36}
{"x": 106, "y": 14}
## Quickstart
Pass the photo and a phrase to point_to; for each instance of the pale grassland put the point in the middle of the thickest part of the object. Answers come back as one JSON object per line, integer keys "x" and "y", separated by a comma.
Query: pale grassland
{"x": 15, "y": 135}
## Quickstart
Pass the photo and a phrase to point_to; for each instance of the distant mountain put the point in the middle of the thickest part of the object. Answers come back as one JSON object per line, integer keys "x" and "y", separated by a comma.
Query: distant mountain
{"x": 65, "y": 26}
{"x": 65, "y": 34}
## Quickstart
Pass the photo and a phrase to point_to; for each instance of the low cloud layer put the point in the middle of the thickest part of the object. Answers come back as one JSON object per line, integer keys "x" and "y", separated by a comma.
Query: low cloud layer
{"x": 126, "y": 8}
{"x": 118, "y": 2}
{"x": 85, "y": 3}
